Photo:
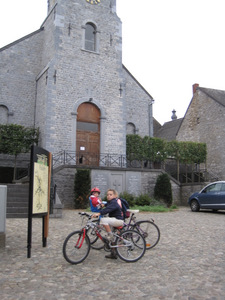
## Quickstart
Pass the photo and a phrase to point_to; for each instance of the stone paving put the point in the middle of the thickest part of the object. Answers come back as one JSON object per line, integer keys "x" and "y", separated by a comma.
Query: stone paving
{"x": 188, "y": 263}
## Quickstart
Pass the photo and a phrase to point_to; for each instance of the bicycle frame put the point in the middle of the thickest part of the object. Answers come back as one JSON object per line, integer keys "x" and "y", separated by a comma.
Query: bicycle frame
{"x": 133, "y": 219}
{"x": 79, "y": 244}
{"x": 91, "y": 224}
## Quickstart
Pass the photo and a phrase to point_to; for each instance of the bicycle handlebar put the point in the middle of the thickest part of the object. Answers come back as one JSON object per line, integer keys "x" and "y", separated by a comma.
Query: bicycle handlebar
{"x": 85, "y": 214}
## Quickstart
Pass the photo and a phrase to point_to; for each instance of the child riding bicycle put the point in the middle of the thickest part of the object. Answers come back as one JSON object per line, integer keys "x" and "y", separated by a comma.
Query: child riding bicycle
{"x": 96, "y": 202}
{"x": 115, "y": 218}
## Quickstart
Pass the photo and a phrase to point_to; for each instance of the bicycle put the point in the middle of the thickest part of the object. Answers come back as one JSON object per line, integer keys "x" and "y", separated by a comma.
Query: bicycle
{"x": 129, "y": 244}
{"x": 148, "y": 229}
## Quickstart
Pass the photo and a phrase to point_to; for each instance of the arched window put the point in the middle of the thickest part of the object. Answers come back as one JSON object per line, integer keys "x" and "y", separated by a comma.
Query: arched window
{"x": 131, "y": 129}
{"x": 90, "y": 37}
{"x": 3, "y": 115}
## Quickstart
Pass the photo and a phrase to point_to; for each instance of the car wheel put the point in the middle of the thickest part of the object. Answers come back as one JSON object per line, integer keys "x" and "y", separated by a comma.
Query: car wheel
{"x": 194, "y": 205}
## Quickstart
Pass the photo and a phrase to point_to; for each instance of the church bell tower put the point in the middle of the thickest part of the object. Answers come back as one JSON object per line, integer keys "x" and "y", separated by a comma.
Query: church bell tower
{"x": 83, "y": 52}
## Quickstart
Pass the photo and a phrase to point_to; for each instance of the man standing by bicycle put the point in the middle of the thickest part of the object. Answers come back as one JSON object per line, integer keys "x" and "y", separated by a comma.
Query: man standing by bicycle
{"x": 115, "y": 218}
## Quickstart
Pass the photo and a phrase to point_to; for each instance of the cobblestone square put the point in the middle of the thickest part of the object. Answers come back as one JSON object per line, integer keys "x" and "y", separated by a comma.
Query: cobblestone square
{"x": 188, "y": 263}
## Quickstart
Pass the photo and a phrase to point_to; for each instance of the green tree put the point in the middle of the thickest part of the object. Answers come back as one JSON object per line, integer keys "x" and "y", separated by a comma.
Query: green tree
{"x": 163, "y": 189}
{"x": 173, "y": 151}
{"x": 134, "y": 147}
{"x": 82, "y": 187}
{"x": 16, "y": 139}
{"x": 154, "y": 149}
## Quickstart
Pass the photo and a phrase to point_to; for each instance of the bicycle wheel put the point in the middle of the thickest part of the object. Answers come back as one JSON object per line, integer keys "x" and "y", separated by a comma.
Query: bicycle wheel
{"x": 130, "y": 246}
{"x": 76, "y": 247}
{"x": 95, "y": 241}
{"x": 150, "y": 231}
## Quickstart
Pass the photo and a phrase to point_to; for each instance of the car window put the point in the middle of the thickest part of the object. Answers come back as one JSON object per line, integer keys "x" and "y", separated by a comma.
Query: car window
{"x": 223, "y": 187}
{"x": 218, "y": 187}
{"x": 211, "y": 188}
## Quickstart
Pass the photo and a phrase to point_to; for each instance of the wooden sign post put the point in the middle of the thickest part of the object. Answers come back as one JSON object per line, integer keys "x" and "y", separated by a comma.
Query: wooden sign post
{"x": 39, "y": 192}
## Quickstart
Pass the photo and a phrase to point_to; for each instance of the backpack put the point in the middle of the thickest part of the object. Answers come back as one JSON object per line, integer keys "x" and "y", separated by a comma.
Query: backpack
{"x": 124, "y": 206}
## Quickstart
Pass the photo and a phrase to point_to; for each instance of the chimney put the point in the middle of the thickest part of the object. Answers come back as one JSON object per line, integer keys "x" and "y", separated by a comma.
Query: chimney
{"x": 174, "y": 116}
{"x": 194, "y": 87}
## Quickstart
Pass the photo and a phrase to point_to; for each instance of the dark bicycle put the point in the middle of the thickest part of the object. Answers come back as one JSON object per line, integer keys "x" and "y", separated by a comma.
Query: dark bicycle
{"x": 129, "y": 244}
{"x": 147, "y": 228}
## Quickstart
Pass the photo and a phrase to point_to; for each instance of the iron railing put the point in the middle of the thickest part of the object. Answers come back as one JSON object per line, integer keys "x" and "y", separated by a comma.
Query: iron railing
{"x": 187, "y": 173}
{"x": 88, "y": 159}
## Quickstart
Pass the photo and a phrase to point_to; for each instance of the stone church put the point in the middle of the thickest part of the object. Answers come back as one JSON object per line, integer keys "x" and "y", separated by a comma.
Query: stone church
{"x": 68, "y": 80}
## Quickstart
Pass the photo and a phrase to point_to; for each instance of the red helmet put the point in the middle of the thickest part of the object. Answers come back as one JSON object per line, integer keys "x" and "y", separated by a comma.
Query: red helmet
{"x": 95, "y": 189}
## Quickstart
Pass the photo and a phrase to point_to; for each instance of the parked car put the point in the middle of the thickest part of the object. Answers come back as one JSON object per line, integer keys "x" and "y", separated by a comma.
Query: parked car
{"x": 211, "y": 196}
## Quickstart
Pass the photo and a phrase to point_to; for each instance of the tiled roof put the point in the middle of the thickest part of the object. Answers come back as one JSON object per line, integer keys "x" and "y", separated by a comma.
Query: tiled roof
{"x": 156, "y": 126}
{"x": 169, "y": 130}
{"x": 217, "y": 95}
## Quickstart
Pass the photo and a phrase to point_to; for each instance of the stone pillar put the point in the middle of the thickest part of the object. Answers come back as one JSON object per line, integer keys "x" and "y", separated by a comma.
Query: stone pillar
{"x": 3, "y": 197}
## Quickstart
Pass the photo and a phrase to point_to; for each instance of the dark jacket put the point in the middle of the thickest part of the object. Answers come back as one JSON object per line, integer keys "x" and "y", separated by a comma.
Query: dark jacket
{"x": 113, "y": 209}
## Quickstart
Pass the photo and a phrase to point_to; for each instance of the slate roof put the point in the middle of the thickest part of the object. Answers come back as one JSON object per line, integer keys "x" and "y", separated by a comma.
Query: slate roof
{"x": 169, "y": 130}
{"x": 217, "y": 95}
{"x": 156, "y": 126}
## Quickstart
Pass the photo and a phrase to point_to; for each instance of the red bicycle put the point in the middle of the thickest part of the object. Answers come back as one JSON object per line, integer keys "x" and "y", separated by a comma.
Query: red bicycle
{"x": 129, "y": 244}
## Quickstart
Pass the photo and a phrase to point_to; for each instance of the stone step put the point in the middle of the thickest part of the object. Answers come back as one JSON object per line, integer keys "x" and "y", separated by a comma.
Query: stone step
{"x": 17, "y": 200}
{"x": 17, "y": 204}
{"x": 17, "y": 215}
{"x": 19, "y": 210}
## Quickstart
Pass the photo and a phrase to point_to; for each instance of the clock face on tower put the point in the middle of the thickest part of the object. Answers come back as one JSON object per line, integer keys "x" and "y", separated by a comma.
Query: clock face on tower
{"x": 93, "y": 1}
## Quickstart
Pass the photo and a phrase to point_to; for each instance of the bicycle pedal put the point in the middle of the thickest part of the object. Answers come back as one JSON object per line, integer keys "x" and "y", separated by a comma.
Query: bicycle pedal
{"x": 105, "y": 240}
{"x": 107, "y": 247}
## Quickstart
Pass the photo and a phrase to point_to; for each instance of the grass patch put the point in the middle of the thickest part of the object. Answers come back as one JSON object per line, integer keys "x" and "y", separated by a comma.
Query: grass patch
{"x": 156, "y": 208}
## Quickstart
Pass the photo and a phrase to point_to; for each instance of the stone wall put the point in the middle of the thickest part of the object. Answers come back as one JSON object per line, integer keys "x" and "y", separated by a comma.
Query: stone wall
{"x": 139, "y": 105}
{"x": 64, "y": 180}
{"x": 133, "y": 181}
{"x": 186, "y": 190}
{"x": 8, "y": 161}
{"x": 3, "y": 199}
{"x": 20, "y": 63}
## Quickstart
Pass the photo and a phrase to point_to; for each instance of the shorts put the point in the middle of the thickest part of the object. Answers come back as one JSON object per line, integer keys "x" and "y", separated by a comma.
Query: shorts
{"x": 111, "y": 221}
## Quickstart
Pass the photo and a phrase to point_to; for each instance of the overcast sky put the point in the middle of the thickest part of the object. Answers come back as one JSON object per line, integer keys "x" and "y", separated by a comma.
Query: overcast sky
{"x": 168, "y": 45}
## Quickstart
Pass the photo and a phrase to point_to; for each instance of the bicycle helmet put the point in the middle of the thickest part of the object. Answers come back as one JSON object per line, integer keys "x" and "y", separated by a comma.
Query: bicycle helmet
{"x": 95, "y": 189}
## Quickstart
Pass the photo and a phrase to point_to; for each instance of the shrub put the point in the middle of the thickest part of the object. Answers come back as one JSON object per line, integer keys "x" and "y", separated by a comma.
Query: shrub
{"x": 163, "y": 190}
{"x": 16, "y": 139}
{"x": 82, "y": 187}
{"x": 143, "y": 200}
{"x": 129, "y": 197}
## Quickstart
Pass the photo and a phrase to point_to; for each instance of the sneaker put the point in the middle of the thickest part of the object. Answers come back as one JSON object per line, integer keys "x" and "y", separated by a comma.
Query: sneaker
{"x": 110, "y": 237}
{"x": 112, "y": 256}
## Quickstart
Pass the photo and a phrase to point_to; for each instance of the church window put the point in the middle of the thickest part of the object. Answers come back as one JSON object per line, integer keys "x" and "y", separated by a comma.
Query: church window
{"x": 90, "y": 37}
{"x": 3, "y": 115}
{"x": 131, "y": 129}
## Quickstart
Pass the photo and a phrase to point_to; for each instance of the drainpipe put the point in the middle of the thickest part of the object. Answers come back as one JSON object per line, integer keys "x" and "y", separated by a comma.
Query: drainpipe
{"x": 151, "y": 132}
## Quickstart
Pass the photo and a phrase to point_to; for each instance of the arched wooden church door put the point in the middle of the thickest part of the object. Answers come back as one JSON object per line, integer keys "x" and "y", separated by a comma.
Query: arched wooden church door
{"x": 88, "y": 134}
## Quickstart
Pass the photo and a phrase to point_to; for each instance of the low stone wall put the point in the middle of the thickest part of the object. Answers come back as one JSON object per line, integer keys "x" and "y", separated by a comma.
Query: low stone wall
{"x": 64, "y": 180}
{"x": 3, "y": 197}
{"x": 136, "y": 182}
{"x": 8, "y": 161}
{"x": 187, "y": 190}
